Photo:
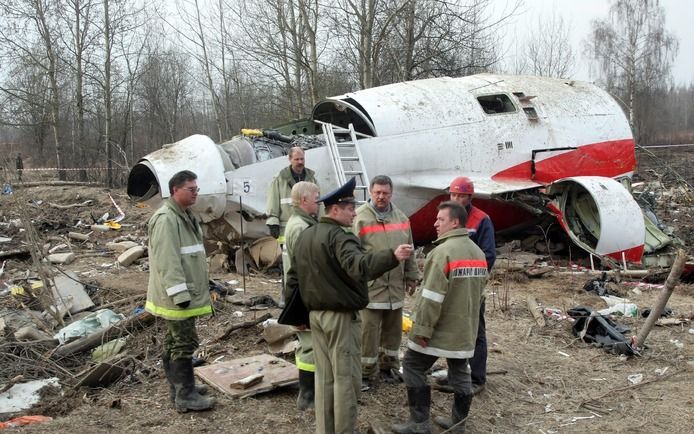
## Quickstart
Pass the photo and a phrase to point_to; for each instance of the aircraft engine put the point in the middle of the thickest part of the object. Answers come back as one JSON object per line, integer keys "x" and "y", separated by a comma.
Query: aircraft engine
{"x": 599, "y": 215}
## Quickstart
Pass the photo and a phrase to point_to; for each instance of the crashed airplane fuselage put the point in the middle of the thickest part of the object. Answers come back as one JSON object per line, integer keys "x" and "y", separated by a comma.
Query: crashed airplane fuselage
{"x": 542, "y": 152}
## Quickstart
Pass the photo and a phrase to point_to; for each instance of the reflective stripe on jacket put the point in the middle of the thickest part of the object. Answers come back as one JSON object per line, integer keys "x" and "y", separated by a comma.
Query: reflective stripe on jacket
{"x": 447, "y": 306}
{"x": 388, "y": 290}
{"x": 279, "y": 196}
{"x": 481, "y": 230}
{"x": 177, "y": 265}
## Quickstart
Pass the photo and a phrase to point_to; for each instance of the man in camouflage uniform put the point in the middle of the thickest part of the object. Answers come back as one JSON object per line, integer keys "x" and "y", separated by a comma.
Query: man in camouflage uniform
{"x": 446, "y": 316}
{"x": 178, "y": 287}
{"x": 381, "y": 225}
{"x": 305, "y": 203}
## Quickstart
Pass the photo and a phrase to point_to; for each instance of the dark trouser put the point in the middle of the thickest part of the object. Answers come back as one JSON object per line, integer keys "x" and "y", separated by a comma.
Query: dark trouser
{"x": 478, "y": 362}
{"x": 416, "y": 364}
{"x": 181, "y": 339}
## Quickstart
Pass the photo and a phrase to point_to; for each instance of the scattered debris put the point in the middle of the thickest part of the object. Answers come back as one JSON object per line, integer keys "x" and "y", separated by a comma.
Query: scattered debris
{"x": 247, "y": 382}
{"x": 22, "y": 396}
{"x": 131, "y": 255}
{"x": 106, "y": 372}
{"x": 25, "y": 420}
{"x": 535, "y": 309}
{"x": 275, "y": 372}
{"x": 61, "y": 258}
{"x": 92, "y": 323}
{"x": 594, "y": 328}
{"x": 68, "y": 287}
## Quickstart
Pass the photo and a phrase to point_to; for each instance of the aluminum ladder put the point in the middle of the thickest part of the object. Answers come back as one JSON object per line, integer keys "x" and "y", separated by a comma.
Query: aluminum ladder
{"x": 346, "y": 157}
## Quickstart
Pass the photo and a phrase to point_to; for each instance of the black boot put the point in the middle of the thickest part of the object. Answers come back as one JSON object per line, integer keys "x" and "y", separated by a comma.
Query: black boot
{"x": 460, "y": 411}
{"x": 200, "y": 388}
{"x": 187, "y": 398}
{"x": 419, "y": 400}
{"x": 307, "y": 385}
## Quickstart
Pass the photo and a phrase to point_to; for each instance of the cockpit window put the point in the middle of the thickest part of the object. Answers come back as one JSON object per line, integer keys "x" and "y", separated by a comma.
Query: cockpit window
{"x": 495, "y": 104}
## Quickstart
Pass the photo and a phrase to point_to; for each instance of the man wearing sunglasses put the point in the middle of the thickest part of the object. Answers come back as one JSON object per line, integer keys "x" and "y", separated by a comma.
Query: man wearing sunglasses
{"x": 178, "y": 288}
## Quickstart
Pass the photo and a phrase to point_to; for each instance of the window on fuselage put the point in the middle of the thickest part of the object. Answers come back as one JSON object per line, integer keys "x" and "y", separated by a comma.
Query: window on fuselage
{"x": 495, "y": 104}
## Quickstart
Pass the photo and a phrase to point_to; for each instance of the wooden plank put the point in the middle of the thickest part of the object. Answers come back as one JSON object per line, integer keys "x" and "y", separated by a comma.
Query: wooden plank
{"x": 276, "y": 373}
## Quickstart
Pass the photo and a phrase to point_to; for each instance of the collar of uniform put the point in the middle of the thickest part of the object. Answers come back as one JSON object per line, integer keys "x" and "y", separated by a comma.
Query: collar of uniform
{"x": 186, "y": 214}
{"x": 286, "y": 174}
{"x": 300, "y": 212}
{"x": 380, "y": 215}
{"x": 330, "y": 221}
{"x": 460, "y": 232}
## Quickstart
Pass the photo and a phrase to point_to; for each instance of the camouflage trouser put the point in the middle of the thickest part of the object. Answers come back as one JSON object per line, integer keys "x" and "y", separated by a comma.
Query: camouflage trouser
{"x": 181, "y": 339}
{"x": 380, "y": 342}
{"x": 304, "y": 353}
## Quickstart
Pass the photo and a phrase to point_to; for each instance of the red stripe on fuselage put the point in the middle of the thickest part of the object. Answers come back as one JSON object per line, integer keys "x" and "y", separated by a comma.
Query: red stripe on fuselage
{"x": 504, "y": 215}
{"x": 631, "y": 255}
{"x": 610, "y": 159}
{"x": 390, "y": 227}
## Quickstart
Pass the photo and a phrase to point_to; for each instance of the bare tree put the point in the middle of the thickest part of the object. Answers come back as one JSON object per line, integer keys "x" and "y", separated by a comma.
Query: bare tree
{"x": 35, "y": 20}
{"x": 634, "y": 51}
{"x": 549, "y": 52}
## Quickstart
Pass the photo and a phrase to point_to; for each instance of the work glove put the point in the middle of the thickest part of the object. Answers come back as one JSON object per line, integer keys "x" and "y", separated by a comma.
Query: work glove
{"x": 274, "y": 230}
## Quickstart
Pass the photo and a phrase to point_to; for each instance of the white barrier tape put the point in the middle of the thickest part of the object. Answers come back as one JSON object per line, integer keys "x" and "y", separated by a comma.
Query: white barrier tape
{"x": 121, "y": 214}
{"x": 38, "y": 169}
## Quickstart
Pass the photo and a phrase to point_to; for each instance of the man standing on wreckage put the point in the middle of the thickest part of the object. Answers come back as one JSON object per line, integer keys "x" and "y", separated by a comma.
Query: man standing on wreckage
{"x": 446, "y": 316}
{"x": 178, "y": 288}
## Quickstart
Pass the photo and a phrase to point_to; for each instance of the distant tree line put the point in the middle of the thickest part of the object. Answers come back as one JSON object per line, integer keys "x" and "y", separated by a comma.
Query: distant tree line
{"x": 103, "y": 82}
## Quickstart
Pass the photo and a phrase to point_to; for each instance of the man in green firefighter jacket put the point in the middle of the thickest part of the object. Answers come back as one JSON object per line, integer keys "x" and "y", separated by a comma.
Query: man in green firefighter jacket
{"x": 178, "y": 287}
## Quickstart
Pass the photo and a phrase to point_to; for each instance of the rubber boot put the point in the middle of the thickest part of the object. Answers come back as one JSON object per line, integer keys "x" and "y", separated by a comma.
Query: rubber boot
{"x": 307, "y": 385}
{"x": 187, "y": 398}
{"x": 200, "y": 388}
{"x": 419, "y": 400}
{"x": 460, "y": 411}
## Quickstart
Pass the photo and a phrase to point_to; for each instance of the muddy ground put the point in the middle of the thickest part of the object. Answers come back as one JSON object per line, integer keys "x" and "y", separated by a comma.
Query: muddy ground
{"x": 542, "y": 379}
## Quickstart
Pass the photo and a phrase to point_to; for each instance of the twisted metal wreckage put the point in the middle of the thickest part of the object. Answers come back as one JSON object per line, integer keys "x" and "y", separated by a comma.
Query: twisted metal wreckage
{"x": 547, "y": 156}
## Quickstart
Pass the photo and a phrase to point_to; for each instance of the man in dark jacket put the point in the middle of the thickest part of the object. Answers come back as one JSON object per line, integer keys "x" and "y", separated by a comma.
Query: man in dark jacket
{"x": 331, "y": 271}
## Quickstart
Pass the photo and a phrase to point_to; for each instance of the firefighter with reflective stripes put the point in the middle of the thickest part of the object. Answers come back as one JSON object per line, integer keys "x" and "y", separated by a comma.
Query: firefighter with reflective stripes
{"x": 381, "y": 225}
{"x": 481, "y": 231}
{"x": 279, "y": 201}
{"x": 445, "y": 321}
{"x": 178, "y": 287}
{"x": 305, "y": 202}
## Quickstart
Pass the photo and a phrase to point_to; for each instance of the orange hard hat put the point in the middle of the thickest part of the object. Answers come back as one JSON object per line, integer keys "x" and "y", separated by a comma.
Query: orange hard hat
{"x": 462, "y": 185}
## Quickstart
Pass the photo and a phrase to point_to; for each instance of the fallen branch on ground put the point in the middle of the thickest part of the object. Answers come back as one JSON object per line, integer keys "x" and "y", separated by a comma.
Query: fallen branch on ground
{"x": 628, "y": 388}
{"x": 242, "y": 325}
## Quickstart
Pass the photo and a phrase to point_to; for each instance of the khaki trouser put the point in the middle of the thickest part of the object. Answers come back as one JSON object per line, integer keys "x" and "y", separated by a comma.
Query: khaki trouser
{"x": 181, "y": 339}
{"x": 337, "y": 349}
{"x": 381, "y": 337}
{"x": 304, "y": 358}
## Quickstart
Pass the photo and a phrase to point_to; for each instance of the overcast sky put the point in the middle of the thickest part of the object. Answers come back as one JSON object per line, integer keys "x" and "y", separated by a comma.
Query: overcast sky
{"x": 579, "y": 13}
